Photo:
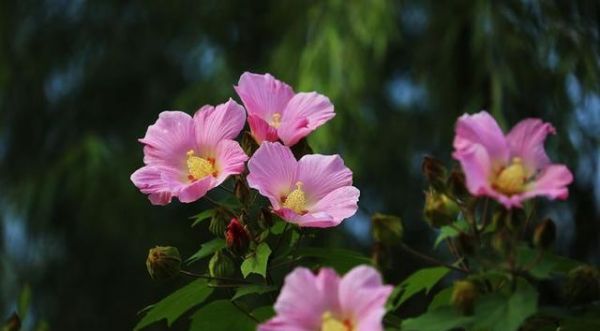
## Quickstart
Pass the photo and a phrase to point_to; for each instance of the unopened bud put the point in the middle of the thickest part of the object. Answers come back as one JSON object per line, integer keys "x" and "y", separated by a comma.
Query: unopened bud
{"x": 237, "y": 237}
{"x": 387, "y": 229}
{"x": 435, "y": 172}
{"x": 464, "y": 295}
{"x": 221, "y": 265}
{"x": 241, "y": 190}
{"x": 457, "y": 185}
{"x": 440, "y": 210}
{"x": 163, "y": 262}
{"x": 544, "y": 234}
{"x": 582, "y": 285}
{"x": 218, "y": 223}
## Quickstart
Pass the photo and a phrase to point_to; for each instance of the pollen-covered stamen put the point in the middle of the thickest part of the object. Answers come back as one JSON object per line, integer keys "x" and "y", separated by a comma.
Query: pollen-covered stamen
{"x": 296, "y": 200}
{"x": 512, "y": 179}
{"x": 275, "y": 120}
{"x": 330, "y": 323}
{"x": 199, "y": 167}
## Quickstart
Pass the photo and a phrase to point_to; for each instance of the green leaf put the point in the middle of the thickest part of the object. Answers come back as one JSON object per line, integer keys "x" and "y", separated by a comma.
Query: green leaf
{"x": 207, "y": 249}
{"x": 24, "y": 301}
{"x": 257, "y": 263}
{"x": 207, "y": 214}
{"x": 176, "y": 304}
{"x": 423, "y": 279}
{"x": 546, "y": 265}
{"x": 502, "y": 312}
{"x": 451, "y": 231}
{"x": 441, "y": 319}
{"x": 252, "y": 289}
{"x": 441, "y": 299}
{"x": 340, "y": 259}
{"x": 279, "y": 226}
{"x": 221, "y": 315}
{"x": 263, "y": 313}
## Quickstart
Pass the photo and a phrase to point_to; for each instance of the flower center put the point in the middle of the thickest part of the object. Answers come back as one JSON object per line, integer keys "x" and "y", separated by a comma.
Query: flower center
{"x": 511, "y": 180}
{"x": 330, "y": 323}
{"x": 296, "y": 200}
{"x": 275, "y": 120}
{"x": 199, "y": 167}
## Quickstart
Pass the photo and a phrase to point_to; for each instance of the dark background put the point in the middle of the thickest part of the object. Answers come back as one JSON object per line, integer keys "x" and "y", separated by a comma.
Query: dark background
{"x": 81, "y": 80}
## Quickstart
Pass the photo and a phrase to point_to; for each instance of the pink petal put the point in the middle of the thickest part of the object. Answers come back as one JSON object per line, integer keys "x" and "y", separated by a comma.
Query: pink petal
{"x": 263, "y": 95}
{"x": 339, "y": 204}
{"x": 477, "y": 167}
{"x": 363, "y": 296}
{"x": 169, "y": 139}
{"x": 526, "y": 140}
{"x": 230, "y": 159}
{"x": 279, "y": 323}
{"x": 149, "y": 181}
{"x": 261, "y": 130}
{"x": 214, "y": 124}
{"x": 304, "y": 113}
{"x": 300, "y": 302}
{"x": 328, "y": 283}
{"x": 196, "y": 190}
{"x": 482, "y": 129}
{"x": 272, "y": 171}
{"x": 309, "y": 220}
{"x": 322, "y": 174}
{"x": 552, "y": 182}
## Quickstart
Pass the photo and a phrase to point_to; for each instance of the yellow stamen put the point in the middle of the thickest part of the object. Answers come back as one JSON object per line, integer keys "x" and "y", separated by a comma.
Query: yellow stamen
{"x": 511, "y": 180}
{"x": 330, "y": 323}
{"x": 275, "y": 120}
{"x": 198, "y": 167}
{"x": 296, "y": 200}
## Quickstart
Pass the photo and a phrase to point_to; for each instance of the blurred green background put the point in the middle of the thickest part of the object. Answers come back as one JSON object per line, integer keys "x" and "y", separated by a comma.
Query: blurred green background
{"x": 80, "y": 80}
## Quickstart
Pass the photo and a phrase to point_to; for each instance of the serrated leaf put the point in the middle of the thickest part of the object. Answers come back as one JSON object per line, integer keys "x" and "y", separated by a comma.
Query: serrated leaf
{"x": 257, "y": 263}
{"x": 221, "y": 315}
{"x": 207, "y": 249}
{"x": 441, "y": 319}
{"x": 252, "y": 289}
{"x": 340, "y": 259}
{"x": 423, "y": 279}
{"x": 176, "y": 304}
{"x": 501, "y": 312}
{"x": 207, "y": 214}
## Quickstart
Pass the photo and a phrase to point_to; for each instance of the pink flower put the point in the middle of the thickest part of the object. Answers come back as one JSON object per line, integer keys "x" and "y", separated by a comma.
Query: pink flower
{"x": 185, "y": 157}
{"x": 275, "y": 112}
{"x": 511, "y": 168}
{"x": 324, "y": 302}
{"x": 316, "y": 191}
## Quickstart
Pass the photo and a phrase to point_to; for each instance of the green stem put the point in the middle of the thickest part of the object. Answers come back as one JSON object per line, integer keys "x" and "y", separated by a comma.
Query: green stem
{"x": 207, "y": 277}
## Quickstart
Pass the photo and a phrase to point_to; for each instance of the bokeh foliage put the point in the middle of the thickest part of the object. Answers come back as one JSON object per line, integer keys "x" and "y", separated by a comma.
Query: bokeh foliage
{"x": 81, "y": 80}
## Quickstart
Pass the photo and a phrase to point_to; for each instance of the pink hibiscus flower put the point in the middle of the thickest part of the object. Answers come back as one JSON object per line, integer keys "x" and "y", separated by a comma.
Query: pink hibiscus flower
{"x": 315, "y": 191}
{"x": 511, "y": 168}
{"x": 275, "y": 112}
{"x": 324, "y": 302}
{"x": 186, "y": 156}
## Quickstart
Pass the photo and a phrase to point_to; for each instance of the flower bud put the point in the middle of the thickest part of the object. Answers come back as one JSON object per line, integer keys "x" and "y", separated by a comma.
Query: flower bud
{"x": 218, "y": 223}
{"x": 457, "y": 186}
{"x": 435, "y": 172}
{"x": 387, "y": 229}
{"x": 440, "y": 210}
{"x": 544, "y": 234}
{"x": 163, "y": 262}
{"x": 221, "y": 265}
{"x": 464, "y": 295}
{"x": 241, "y": 190}
{"x": 237, "y": 237}
{"x": 582, "y": 285}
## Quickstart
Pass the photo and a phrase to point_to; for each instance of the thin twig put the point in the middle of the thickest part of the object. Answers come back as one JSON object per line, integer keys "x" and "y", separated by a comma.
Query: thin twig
{"x": 245, "y": 311}
{"x": 431, "y": 259}
{"x": 217, "y": 204}
{"x": 225, "y": 279}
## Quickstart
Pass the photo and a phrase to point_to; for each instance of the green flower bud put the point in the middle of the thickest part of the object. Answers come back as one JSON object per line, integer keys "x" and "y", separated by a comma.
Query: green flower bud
{"x": 435, "y": 172}
{"x": 218, "y": 223}
{"x": 464, "y": 295}
{"x": 544, "y": 234}
{"x": 221, "y": 265}
{"x": 387, "y": 229}
{"x": 439, "y": 210}
{"x": 241, "y": 190}
{"x": 163, "y": 262}
{"x": 582, "y": 285}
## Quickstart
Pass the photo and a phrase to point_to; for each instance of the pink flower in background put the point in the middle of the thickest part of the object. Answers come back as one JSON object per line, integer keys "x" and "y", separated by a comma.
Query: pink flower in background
{"x": 326, "y": 302}
{"x": 276, "y": 112}
{"x": 315, "y": 191}
{"x": 186, "y": 156}
{"x": 510, "y": 168}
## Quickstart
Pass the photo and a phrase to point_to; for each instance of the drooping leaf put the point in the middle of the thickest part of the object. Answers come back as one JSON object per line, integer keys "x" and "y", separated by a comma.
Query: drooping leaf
{"x": 440, "y": 319}
{"x": 340, "y": 259}
{"x": 205, "y": 215}
{"x": 221, "y": 315}
{"x": 257, "y": 262}
{"x": 423, "y": 279}
{"x": 252, "y": 289}
{"x": 176, "y": 304}
{"x": 207, "y": 249}
{"x": 505, "y": 312}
